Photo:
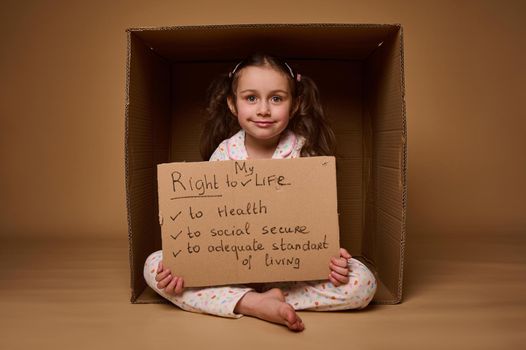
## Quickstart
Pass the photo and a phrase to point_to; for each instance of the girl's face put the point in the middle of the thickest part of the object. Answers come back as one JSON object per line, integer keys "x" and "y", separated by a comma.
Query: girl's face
{"x": 263, "y": 103}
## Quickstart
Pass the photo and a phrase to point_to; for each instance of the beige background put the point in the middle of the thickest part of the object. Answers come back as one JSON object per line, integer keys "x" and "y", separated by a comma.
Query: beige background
{"x": 62, "y": 79}
{"x": 62, "y": 107}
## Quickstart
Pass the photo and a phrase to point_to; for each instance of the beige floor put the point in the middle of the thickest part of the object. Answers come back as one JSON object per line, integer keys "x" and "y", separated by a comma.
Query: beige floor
{"x": 73, "y": 294}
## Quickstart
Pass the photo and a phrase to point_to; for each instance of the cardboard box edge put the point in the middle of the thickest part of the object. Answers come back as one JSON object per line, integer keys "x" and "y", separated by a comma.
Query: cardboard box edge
{"x": 263, "y": 25}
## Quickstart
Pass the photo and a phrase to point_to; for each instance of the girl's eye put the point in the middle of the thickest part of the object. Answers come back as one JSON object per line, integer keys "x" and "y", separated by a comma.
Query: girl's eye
{"x": 251, "y": 98}
{"x": 276, "y": 99}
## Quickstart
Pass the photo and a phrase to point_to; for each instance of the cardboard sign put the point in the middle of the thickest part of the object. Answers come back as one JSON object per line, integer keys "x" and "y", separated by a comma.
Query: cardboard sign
{"x": 230, "y": 222}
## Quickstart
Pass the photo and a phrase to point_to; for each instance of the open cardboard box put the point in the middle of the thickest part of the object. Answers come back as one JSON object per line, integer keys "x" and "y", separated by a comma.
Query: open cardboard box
{"x": 359, "y": 71}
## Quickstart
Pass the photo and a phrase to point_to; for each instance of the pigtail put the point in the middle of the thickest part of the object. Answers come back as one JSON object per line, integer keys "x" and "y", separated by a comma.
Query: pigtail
{"x": 309, "y": 120}
{"x": 221, "y": 123}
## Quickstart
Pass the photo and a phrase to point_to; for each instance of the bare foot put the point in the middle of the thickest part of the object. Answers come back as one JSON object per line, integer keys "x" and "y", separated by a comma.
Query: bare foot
{"x": 270, "y": 306}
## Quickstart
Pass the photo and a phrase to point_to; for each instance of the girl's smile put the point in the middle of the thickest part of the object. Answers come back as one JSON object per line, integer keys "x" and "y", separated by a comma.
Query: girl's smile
{"x": 263, "y": 124}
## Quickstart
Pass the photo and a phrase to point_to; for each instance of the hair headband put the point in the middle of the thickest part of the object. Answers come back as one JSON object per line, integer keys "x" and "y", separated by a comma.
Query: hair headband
{"x": 231, "y": 74}
{"x": 297, "y": 77}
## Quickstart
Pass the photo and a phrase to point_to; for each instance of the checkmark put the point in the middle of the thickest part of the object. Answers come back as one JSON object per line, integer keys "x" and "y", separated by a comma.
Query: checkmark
{"x": 175, "y": 237}
{"x": 175, "y": 255}
{"x": 246, "y": 182}
{"x": 175, "y": 217}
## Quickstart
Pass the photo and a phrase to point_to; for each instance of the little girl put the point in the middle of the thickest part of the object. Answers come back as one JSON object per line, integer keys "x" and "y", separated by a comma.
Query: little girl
{"x": 263, "y": 109}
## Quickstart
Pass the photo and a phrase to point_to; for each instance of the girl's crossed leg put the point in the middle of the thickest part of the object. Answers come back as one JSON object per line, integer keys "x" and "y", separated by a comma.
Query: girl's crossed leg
{"x": 278, "y": 300}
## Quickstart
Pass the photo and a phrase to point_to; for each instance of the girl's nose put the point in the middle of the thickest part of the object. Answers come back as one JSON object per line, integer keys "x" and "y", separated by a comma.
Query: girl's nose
{"x": 263, "y": 108}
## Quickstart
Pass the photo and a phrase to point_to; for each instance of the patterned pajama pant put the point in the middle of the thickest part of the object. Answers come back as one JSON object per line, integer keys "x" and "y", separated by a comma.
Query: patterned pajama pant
{"x": 307, "y": 295}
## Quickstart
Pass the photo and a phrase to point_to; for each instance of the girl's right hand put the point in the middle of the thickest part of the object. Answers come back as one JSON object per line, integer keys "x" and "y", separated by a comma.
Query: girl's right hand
{"x": 172, "y": 285}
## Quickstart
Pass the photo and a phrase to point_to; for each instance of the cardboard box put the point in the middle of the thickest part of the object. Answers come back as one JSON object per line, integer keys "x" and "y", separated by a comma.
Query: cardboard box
{"x": 359, "y": 71}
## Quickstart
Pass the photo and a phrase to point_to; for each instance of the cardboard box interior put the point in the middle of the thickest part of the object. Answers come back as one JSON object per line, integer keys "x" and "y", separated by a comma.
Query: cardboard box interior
{"x": 359, "y": 71}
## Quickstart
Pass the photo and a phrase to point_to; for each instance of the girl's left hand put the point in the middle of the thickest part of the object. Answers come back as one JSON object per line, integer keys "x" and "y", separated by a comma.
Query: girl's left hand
{"x": 339, "y": 268}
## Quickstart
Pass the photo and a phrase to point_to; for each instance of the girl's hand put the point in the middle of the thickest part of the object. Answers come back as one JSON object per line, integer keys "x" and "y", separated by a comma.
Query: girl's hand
{"x": 172, "y": 285}
{"x": 339, "y": 268}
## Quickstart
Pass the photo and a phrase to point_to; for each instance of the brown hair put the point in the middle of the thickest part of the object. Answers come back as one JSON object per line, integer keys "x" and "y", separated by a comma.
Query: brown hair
{"x": 307, "y": 117}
